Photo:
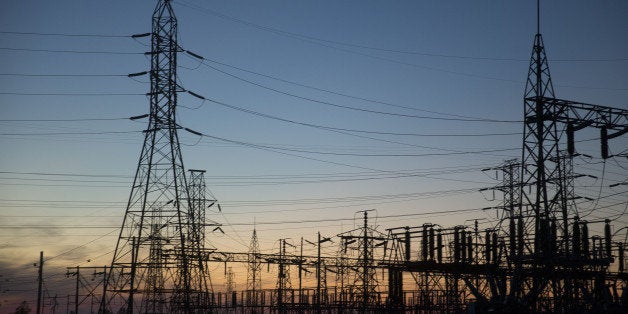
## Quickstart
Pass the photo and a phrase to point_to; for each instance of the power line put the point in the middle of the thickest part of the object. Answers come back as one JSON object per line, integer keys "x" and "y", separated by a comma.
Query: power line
{"x": 271, "y": 202}
{"x": 259, "y": 223}
{"x": 254, "y": 181}
{"x": 66, "y": 34}
{"x": 62, "y": 120}
{"x": 339, "y": 163}
{"x": 352, "y": 154}
{"x": 80, "y": 246}
{"x": 327, "y": 90}
{"x": 435, "y": 170}
{"x": 320, "y": 41}
{"x": 394, "y": 61}
{"x": 279, "y": 151}
{"x": 449, "y": 151}
{"x": 70, "y": 94}
{"x": 323, "y": 127}
{"x": 356, "y": 108}
{"x": 68, "y": 133}
{"x": 66, "y": 174}
{"x": 61, "y": 75}
{"x": 72, "y": 51}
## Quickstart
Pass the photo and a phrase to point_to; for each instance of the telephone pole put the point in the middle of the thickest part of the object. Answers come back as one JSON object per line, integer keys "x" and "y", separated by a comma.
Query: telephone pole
{"x": 40, "y": 281}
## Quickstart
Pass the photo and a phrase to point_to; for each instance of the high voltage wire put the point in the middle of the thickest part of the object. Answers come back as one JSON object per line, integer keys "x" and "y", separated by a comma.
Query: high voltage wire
{"x": 251, "y": 182}
{"x": 62, "y": 120}
{"x": 461, "y": 73}
{"x": 80, "y": 246}
{"x": 71, "y": 94}
{"x": 219, "y": 184}
{"x": 448, "y": 151}
{"x": 203, "y": 59}
{"x": 258, "y": 202}
{"x": 341, "y": 164}
{"x": 269, "y": 222}
{"x": 322, "y": 127}
{"x": 72, "y": 51}
{"x": 313, "y": 39}
{"x": 435, "y": 170}
{"x": 351, "y": 154}
{"x": 295, "y": 35}
{"x": 68, "y": 133}
{"x": 471, "y": 75}
{"x": 66, "y": 34}
{"x": 302, "y": 221}
{"x": 256, "y": 113}
{"x": 356, "y": 108}
{"x": 296, "y": 150}
{"x": 256, "y": 180}
{"x": 330, "y": 128}
{"x": 345, "y": 50}
{"x": 62, "y": 75}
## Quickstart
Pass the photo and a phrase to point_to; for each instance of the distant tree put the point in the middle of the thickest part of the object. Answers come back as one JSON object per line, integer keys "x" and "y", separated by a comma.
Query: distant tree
{"x": 23, "y": 308}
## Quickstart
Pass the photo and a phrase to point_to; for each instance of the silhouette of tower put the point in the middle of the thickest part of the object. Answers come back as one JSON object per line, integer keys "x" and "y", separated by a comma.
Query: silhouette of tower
{"x": 196, "y": 214}
{"x": 547, "y": 191}
{"x": 254, "y": 271}
{"x": 156, "y": 266}
{"x": 540, "y": 142}
{"x": 197, "y": 251}
{"x": 284, "y": 285}
{"x": 365, "y": 282}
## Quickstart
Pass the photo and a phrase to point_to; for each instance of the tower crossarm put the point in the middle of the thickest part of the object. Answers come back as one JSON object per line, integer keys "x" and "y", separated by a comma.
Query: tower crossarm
{"x": 583, "y": 114}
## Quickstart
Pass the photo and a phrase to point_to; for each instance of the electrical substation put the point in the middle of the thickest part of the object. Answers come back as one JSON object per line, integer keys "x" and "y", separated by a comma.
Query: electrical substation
{"x": 540, "y": 256}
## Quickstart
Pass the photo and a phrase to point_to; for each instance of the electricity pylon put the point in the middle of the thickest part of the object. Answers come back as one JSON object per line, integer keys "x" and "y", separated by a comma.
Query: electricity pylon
{"x": 364, "y": 282}
{"x": 254, "y": 271}
{"x": 546, "y": 207}
{"x": 156, "y": 266}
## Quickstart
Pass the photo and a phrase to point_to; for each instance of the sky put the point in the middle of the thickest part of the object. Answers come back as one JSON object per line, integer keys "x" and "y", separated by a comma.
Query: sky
{"x": 396, "y": 81}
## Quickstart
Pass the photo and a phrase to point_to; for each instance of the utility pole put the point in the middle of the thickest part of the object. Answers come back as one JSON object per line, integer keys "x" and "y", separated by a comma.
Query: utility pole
{"x": 301, "y": 273}
{"x": 76, "y": 273}
{"x": 281, "y": 281}
{"x": 76, "y": 291}
{"x": 365, "y": 264}
{"x": 318, "y": 273}
{"x": 104, "y": 288}
{"x": 40, "y": 280}
{"x": 365, "y": 277}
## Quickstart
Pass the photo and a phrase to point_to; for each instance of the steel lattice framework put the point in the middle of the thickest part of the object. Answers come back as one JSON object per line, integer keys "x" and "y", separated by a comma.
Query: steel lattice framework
{"x": 362, "y": 289}
{"x": 539, "y": 257}
{"x": 547, "y": 208}
{"x": 254, "y": 270}
{"x": 157, "y": 259}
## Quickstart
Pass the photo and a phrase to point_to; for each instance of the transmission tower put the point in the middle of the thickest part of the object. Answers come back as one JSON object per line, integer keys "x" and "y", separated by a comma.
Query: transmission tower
{"x": 546, "y": 189}
{"x": 254, "y": 271}
{"x": 196, "y": 227}
{"x": 157, "y": 255}
{"x": 364, "y": 281}
{"x": 284, "y": 284}
{"x": 198, "y": 203}
{"x": 540, "y": 143}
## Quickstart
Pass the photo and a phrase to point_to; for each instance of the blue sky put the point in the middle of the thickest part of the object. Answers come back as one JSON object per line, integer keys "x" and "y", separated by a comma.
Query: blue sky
{"x": 434, "y": 59}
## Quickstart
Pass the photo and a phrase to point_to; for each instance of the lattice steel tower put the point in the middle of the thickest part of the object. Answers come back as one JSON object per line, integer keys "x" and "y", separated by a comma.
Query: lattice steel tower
{"x": 156, "y": 266}
{"x": 364, "y": 282}
{"x": 254, "y": 271}
{"x": 548, "y": 206}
